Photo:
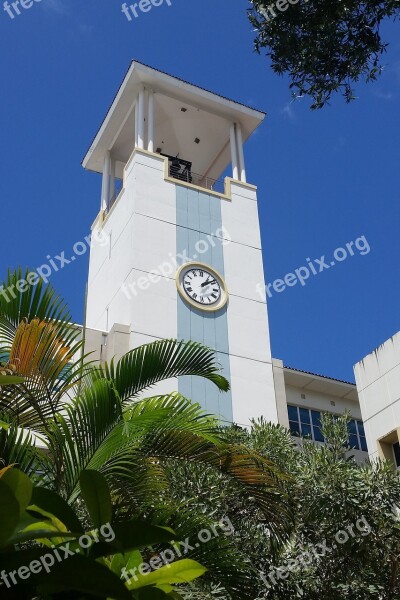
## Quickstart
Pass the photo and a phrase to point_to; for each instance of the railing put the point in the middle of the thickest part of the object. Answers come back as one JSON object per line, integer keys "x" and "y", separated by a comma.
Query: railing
{"x": 215, "y": 185}
{"x": 182, "y": 171}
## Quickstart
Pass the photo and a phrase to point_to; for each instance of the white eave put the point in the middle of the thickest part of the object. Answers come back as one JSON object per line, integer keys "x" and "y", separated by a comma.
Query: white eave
{"x": 320, "y": 384}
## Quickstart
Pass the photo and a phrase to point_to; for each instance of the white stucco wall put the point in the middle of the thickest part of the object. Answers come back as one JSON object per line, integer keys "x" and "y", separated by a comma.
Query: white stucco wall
{"x": 378, "y": 384}
{"x": 253, "y": 391}
{"x": 141, "y": 233}
{"x": 322, "y": 402}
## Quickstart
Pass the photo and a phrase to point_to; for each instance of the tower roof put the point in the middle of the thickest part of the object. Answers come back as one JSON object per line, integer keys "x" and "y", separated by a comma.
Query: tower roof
{"x": 190, "y": 121}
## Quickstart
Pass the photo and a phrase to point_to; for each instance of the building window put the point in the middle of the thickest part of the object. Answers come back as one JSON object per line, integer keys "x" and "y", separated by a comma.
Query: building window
{"x": 307, "y": 423}
{"x": 396, "y": 452}
{"x": 357, "y": 439}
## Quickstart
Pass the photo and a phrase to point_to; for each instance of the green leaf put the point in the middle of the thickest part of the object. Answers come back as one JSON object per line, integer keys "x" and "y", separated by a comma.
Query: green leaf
{"x": 52, "y": 503}
{"x": 43, "y": 535}
{"x": 20, "y": 485}
{"x": 5, "y": 469}
{"x": 181, "y": 571}
{"x": 132, "y": 535}
{"x": 150, "y": 593}
{"x": 12, "y": 561}
{"x": 10, "y": 380}
{"x": 144, "y": 366}
{"x": 96, "y": 494}
{"x": 127, "y": 561}
{"x": 80, "y": 574}
{"x": 9, "y": 513}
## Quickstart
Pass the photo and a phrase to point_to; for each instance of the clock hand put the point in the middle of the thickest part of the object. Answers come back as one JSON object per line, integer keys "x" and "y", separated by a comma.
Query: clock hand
{"x": 208, "y": 283}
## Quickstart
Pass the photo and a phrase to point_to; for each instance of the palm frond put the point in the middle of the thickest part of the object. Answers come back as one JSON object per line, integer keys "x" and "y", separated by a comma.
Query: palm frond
{"x": 46, "y": 363}
{"x": 145, "y": 366}
{"x": 38, "y": 301}
{"x": 257, "y": 477}
{"x": 78, "y": 433}
{"x": 94, "y": 433}
{"x": 18, "y": 447}
{"x": 171, "y": 411}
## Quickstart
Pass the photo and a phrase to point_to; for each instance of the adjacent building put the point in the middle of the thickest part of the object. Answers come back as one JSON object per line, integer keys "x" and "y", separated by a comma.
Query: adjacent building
{"x": 378, "y": 384}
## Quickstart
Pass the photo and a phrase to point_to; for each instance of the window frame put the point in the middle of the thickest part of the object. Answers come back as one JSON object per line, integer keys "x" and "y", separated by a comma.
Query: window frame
{"x": 299, "y": 422}
{"x": 311, "y": 424}
{"x": 394, "y": 455}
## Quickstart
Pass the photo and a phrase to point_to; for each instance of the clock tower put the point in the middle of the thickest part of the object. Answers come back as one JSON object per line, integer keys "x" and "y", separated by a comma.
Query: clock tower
{"x": 181, "y": 252}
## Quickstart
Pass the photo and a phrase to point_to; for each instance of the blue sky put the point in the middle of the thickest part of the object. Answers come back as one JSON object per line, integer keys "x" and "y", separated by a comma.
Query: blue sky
{"x": 325, "y": 178}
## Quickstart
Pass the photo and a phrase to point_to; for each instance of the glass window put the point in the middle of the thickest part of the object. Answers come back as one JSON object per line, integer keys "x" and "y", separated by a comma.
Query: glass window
{"x": 316, "y": 418}
{"x": 357, "y": 439}
{"x": 294, "y": 428}
{"x": 351, "y": 426}
{"x": 304, "y": 415}
{"x": 360, "y": 426}
{"x": 292, "y": 411}
{"x": 353, "y": 441}
{"x": 307, "y": 422}
{"x": 396, "y": 452}
{"x": 306, "y": 430}
{"x": 318, "y": 437}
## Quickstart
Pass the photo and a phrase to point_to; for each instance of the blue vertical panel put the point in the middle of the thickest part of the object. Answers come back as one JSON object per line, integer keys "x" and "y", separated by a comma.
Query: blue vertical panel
{"x": 209, "y": 330}
{"x": 185, "y": 383}
{"x": 225, "y": 400}
{"x": 199, "y": 216}
{"x": 205, "y": 213}
{"x": 193, "y": 238}
{"x": 221, "y": 331}
{"x": 193, "y": 216}
{"x": 182, "y": 207}
{"x": 215, "y": 214}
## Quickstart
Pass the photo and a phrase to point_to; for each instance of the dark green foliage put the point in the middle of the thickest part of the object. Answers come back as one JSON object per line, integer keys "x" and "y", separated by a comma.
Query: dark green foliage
{"x": 324, "y": 46}
{"x": 329, "y": 494}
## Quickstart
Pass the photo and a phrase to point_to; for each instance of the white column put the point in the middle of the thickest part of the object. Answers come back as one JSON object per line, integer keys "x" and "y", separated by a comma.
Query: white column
{"x": 234, "y": 155}
{"x": 136, "y": 109}
{"x": 105, "y": 187}
{"x": 141, "y": 120}
{"x": 112, "y": 178}
{"x": 242, "y": 167}
{"x": 150, "y": 145}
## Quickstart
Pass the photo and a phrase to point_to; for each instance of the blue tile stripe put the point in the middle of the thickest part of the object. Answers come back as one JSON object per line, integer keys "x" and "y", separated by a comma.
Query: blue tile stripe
{"x": 199, "y": 215}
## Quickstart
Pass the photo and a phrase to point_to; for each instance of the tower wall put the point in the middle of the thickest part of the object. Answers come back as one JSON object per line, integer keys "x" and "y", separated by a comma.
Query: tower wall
{"x": 155, "y": 226}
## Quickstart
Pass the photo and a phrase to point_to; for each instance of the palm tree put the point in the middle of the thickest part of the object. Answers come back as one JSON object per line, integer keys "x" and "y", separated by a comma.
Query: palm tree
{"x": 94, "y": 417}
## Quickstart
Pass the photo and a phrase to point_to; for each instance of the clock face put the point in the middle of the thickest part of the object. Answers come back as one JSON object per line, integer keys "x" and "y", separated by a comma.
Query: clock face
{"x": 201, "y": 286}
